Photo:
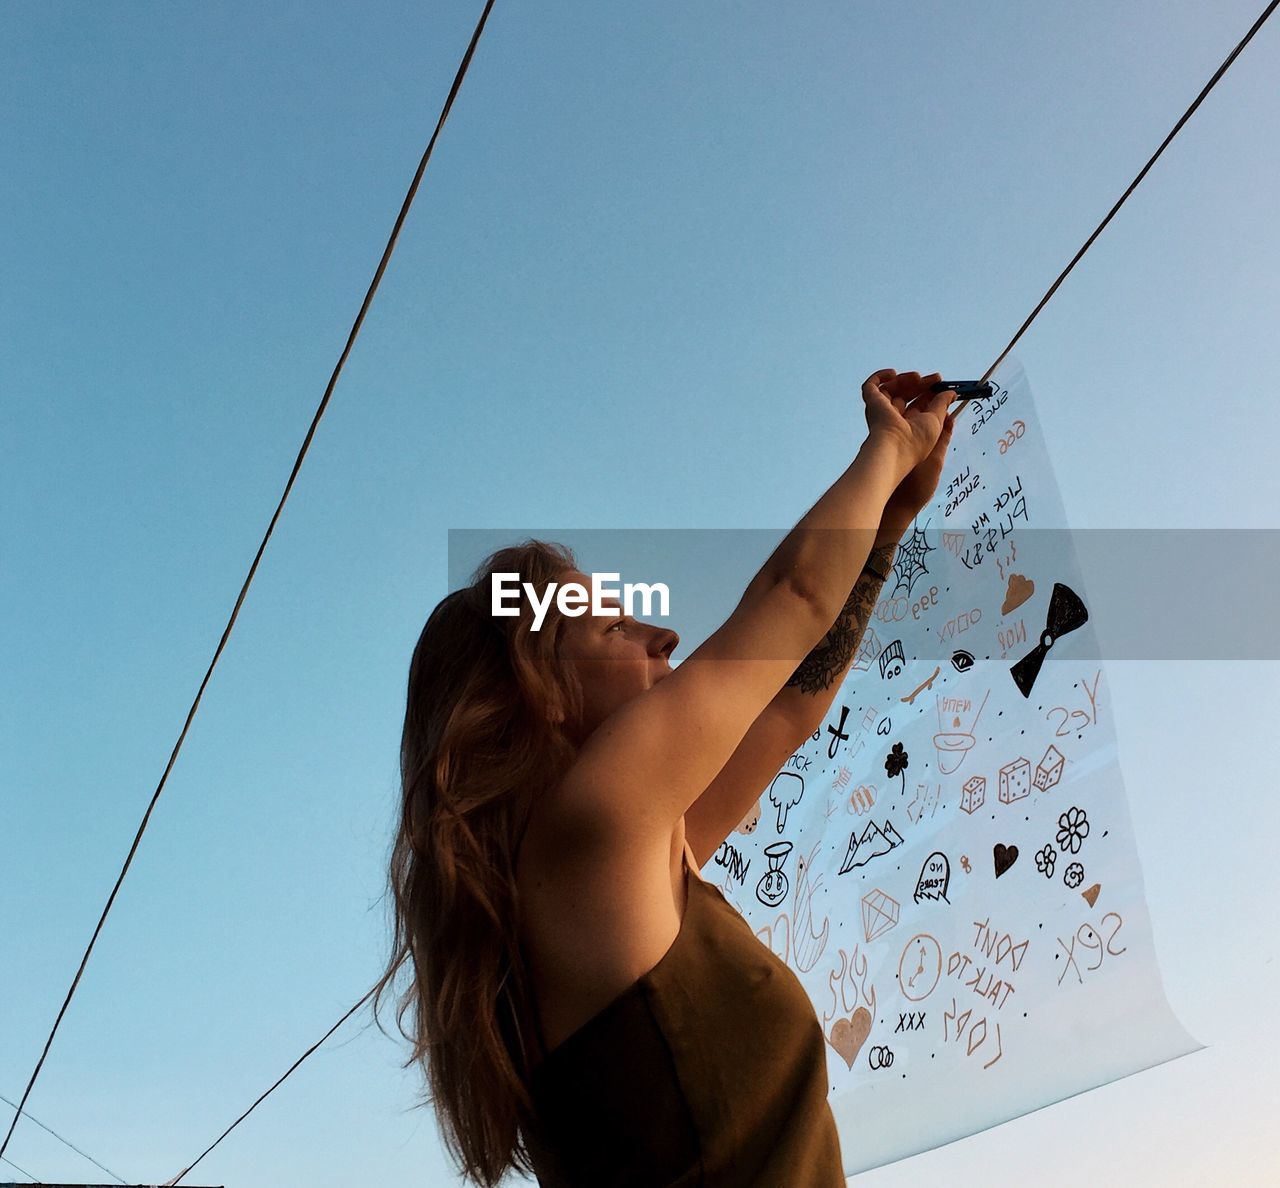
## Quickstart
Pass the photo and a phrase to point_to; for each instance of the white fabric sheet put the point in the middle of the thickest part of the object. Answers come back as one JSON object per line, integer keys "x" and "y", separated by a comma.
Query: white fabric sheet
{"x": 972, "y": 926}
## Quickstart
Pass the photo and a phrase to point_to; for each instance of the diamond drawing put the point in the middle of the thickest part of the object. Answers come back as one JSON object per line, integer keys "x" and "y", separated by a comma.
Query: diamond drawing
{"x": 868, "y": 650}
{"x": 879, "y": 914}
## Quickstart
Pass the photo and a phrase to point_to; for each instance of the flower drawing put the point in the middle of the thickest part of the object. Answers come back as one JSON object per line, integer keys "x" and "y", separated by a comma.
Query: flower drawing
{"x": 1073, "y": 828}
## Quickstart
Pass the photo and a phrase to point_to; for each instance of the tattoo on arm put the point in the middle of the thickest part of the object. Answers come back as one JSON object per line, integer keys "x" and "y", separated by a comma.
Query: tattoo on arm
{"x": 825, "y": 665}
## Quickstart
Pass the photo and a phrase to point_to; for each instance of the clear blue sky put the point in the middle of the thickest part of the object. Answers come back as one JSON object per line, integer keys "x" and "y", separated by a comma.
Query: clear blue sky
{"x": 656, "y": 251}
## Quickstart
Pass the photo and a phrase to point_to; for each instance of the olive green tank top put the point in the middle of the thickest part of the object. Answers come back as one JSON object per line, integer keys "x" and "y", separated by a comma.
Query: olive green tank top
{"x": 709, "y": 1071}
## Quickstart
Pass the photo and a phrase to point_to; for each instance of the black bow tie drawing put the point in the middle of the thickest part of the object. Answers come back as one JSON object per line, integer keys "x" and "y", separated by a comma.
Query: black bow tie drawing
{"x": 1066, "y": 614}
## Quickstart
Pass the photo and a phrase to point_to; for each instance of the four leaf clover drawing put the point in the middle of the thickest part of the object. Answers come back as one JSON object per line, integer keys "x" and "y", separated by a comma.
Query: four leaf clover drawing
{"x": 895, "y": 763}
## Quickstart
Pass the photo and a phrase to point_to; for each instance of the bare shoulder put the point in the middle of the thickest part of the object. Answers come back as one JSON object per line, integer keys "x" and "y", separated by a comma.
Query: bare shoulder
{"x": 596, "y": 913}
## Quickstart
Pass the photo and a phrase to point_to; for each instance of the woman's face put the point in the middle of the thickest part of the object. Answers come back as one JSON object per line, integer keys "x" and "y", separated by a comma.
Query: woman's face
{"x": 615, "y": 657}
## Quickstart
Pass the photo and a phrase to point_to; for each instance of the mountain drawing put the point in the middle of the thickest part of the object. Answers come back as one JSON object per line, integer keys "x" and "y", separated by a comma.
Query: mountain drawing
{"x": 873, "y": 842}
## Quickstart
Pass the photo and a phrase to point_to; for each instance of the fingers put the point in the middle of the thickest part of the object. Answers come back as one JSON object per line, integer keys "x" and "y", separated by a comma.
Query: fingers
{"x": 940, "y": 405}
{"x": 944, "y": 438}
{"x": 946, "y": 395}
{"x": 902, "y": 388}
{"x": 876, "y": 396}
{"x": 908, "y": 384}
{"x": 943, "y": 442}
{"x": 915, "y": 395}
{"x": 905, "y": 383}
{"x": 908, "y": 391}
{"x": 875, "y": 384}
{"x": 915, "y": 386}
{"x": 926, "y": 395}
{"x": 935, "y": 407}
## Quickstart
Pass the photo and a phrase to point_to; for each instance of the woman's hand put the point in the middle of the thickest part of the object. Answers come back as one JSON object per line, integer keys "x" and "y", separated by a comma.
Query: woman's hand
{"x": 902, "y": 412}
{"x": 916, "y": 491}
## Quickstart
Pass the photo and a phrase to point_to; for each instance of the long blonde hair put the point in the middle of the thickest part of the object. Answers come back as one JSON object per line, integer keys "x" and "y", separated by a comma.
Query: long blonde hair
{"x": 483, "y": 739}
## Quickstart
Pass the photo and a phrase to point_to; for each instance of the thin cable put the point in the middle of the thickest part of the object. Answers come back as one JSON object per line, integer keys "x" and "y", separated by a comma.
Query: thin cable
{"x": 23, "y": 1170}
{"x": 176, "y": 1179}
{"x": 66, "y": 1142}
{"x": 1132, "y": 186}
{"x": 355, "y": 329}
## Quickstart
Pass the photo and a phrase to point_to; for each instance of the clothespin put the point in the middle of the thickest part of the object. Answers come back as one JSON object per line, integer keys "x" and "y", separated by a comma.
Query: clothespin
{"x": 966, "y": 389}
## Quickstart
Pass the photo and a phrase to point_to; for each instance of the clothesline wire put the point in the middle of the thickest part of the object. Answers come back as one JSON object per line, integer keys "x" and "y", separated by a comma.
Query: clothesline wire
{"x": 266, "y": 1093}
{"x": 333, "y": 379}
{"x": 64, "y": 1142}
{"x": 1133, "y": 185}
{"x": 1052, "y": 289}
{"x": 23, "y": 1170}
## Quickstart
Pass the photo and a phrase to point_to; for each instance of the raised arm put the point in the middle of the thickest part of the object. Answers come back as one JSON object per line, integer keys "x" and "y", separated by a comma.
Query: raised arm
{"x": 809, "y": 690}
{"x": 649, "y": 761}
{"x": 802, "y": 703}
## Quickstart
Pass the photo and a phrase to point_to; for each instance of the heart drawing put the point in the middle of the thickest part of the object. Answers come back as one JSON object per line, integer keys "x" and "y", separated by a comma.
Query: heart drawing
{"x": 1006, "y": 856}
{"x": 848, "y": 1035}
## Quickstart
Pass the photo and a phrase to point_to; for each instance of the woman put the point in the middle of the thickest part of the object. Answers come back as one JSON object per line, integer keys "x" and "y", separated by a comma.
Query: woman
{"x": 584, "y": 1006}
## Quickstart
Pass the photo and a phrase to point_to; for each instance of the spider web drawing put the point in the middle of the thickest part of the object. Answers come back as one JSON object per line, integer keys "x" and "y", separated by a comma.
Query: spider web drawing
{"x": 909, "y": 564}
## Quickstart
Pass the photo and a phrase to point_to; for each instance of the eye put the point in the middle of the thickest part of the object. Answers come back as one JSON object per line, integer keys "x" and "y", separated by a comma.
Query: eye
{"x": 617, "y": 623}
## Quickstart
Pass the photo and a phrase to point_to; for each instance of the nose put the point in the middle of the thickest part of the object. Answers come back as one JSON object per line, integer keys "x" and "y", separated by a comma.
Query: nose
{"x": 664, "y": 642}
